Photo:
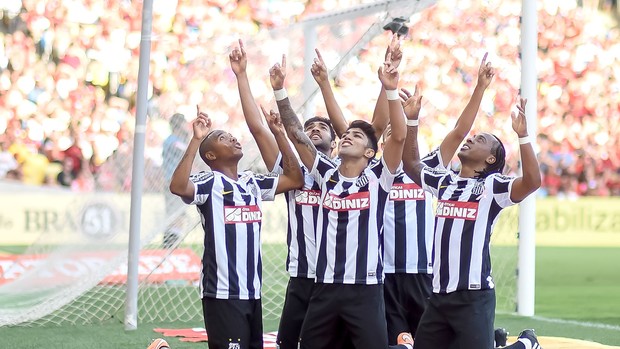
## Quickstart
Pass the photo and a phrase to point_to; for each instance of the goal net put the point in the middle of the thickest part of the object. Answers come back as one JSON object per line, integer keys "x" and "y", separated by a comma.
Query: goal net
{"x": 77, "y": 274}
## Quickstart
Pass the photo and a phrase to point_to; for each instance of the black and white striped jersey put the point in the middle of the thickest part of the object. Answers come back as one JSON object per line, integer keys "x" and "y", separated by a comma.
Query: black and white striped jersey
{"x": 303, "y": 211}
{"x": 408, "y": 225}
{"x": 467, "y": 209}
{"x": 230, "y": 213}
{"x": 349, "y": 242}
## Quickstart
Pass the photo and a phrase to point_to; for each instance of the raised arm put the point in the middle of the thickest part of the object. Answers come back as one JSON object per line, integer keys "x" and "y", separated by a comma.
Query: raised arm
{"x": 380, "y": 115}
{"x": 292, "y": 125}
{"x": 466, "y": 120}
{"x": 393, "y": 149}
{"x": 530, "y": 180}
{"x": 264, "y": 139}
{"x": 291, "y": 177}
{"x": 180, "y": 184}
{"x": 319, "y": 72}
{"x": 411, "y": 154}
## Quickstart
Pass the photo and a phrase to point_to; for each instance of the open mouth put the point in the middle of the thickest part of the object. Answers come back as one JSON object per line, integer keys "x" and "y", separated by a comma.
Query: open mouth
{"x": 465, "y": 147}
{"x": 315, "y": 137}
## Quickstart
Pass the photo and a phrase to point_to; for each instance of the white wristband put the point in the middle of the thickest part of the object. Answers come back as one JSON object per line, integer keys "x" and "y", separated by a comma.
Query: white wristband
{"x": 525, "y": 140}
{"x": 413, "y": 122}
{"x": 280, "y": 94}
{"x": 392, "y": 95}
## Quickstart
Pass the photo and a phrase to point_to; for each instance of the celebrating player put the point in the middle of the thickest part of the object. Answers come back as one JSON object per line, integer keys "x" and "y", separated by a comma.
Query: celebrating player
{"x": 301, "y": 204}
{"x": 229, "y": 205}
{"x": 461, "y": 310}
{"x": 349, "y": 271}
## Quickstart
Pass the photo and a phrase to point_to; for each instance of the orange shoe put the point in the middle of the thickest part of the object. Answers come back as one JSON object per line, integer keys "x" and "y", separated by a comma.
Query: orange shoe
{"x": 405, "y": 338}
{"x": 159, "y": 344}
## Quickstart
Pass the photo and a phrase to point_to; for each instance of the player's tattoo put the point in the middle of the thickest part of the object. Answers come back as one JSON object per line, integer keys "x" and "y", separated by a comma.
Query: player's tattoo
{"x": 293, "y": 126}
{"x": 411, "y": 156}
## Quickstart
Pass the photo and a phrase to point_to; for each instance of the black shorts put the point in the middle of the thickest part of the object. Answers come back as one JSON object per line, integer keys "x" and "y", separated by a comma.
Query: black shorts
{"x": 462, "y": 319}
{"x": 298, "y": 293}
{"x": 406, "y": 296}
{"x": 233, "y": 321}
{"x": 334, "y": 309}
{"x": 296, "y": 302}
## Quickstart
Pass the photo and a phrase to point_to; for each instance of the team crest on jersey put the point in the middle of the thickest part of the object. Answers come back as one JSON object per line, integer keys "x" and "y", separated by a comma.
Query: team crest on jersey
{"x": 457, "y": 210}
{"x": 308, "y": 197}
{"x": 406, "y": 191}
{"x": 478, "y": 188}
{"x": 234, "y": 346}
{"x": 356, "y": 201}
{"x": 242, "y": 214}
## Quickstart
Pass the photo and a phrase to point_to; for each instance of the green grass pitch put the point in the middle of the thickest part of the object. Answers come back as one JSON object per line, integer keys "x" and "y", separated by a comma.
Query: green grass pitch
{"x": 577, "y": 292}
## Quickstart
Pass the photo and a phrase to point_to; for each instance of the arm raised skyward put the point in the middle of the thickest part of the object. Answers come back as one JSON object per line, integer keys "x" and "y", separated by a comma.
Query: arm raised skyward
{"x": 264, "y": 139}
{"x": 294, "y": 129}
{"x": 180, "y": 184}
{"x": 291, "y": 177}
{"x": 455, "y": 137}
{"x": 531, "y": 179}
{"x": 411, "y": 154}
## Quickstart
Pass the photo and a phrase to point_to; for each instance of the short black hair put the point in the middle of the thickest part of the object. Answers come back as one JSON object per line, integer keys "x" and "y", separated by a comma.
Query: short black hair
{"x": 499, "y": 152}
{"x": 205, "y": 145}
{"x": 368, "y": 130}
{"x": 326, "y": 121}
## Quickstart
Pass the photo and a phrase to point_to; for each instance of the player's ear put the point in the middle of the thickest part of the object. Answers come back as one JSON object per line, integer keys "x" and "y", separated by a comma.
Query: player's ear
{"x": 210, "y": 156}
{"x": 369, "y": 153}
{"x": 490, "y": 160}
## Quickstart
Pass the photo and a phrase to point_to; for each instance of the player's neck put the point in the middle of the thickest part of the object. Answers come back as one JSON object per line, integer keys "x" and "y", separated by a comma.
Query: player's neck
{"x": 352, "y": 167}
{"x": 327, "y": 153}
{"x": 229, "y": 171}
{"x": 468, "y": 171}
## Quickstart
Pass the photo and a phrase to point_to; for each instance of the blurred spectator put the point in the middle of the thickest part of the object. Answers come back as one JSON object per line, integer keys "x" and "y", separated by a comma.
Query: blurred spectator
{"x": 68, "y": 80}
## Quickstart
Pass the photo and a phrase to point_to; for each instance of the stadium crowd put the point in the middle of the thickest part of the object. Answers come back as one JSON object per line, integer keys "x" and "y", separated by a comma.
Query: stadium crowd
{"x": 68, "y": 79}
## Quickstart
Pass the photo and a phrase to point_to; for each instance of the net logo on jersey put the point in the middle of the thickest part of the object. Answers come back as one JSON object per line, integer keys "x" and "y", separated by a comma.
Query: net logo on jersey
{"x": 356, "y": 201}
{"x": 457, "y": 210}
{"x": 406, "y": 191}
{"x": 242, "y": 214}
{"x": 308, "y": 197}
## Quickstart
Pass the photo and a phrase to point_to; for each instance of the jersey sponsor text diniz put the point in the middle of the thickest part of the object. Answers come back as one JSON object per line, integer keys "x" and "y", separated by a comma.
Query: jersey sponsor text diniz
{"x": 308, "y": 197}
{"x": 242, "y": 214}
{"x": 406, "y": 191}
{"x": 457, "y": 209}
{"x": 355, "y": 201}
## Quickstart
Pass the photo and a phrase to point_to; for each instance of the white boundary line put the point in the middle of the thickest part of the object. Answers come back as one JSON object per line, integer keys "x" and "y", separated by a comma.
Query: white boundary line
{"x": 578, "y": 323}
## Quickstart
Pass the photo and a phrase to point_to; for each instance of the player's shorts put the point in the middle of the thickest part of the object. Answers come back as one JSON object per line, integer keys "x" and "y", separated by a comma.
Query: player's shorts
{"x": 357, "y": 309}
{"x": 296, "y": 302}
{"x": 462, "y": 319}
{"x": 406, "y": 296}
{"x": 233, "y": 323}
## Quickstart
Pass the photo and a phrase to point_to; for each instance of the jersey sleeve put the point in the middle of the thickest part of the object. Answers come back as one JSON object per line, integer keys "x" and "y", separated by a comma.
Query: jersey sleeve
{"x": 386, "y": 178}
{"x": 267, "y": 183}
{"x": 203, "y": 185}
{"x": 501, "y": 187}
{"x": 433, "y": 159}
{"x": 432, "y": 178}
{"x": 320, "y": 167}
{"x": 277, "y": 167}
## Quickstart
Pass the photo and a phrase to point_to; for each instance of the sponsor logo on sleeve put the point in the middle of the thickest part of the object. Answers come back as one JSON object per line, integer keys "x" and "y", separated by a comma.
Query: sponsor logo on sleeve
{"x": 356, "y": 201}
{"x": 406, "y": 191}
{"x": 308, "y": 197}
{"x": 242, "y": 214}
{"x": 457, "y": 210}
